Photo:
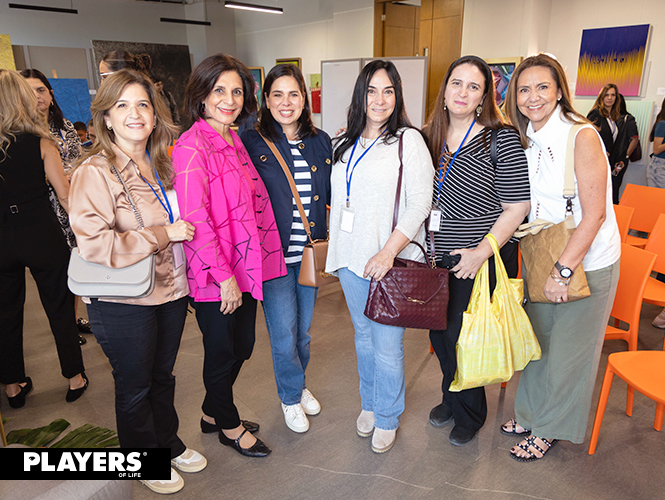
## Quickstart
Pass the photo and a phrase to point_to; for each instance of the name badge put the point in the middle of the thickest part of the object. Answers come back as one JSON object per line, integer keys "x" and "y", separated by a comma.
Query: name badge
{"x": 434, "y": 220}
{"x": 346, "y": 221}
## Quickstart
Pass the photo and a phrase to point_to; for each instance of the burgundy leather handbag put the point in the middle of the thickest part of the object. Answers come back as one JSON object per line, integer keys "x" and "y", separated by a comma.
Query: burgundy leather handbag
{"x": 412, "y": 294}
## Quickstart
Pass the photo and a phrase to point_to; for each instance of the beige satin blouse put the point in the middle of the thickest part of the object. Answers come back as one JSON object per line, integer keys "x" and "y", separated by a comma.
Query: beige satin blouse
{"x": 107, "y": 231}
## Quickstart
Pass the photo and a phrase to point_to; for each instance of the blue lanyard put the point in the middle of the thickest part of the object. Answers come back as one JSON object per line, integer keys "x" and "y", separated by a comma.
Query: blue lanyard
{"x": 166, "y": 206}
{"x": 450, "y": 165}
{"x": 349, "y": 177}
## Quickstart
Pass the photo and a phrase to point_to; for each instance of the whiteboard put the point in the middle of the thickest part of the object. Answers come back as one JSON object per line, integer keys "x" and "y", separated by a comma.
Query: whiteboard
{"x": 337, "y": 80}
{"x": 413, "y": 72}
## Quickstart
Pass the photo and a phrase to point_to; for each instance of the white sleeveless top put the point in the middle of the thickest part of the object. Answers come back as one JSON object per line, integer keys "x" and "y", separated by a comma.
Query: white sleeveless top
{"x": 546, "y": 156}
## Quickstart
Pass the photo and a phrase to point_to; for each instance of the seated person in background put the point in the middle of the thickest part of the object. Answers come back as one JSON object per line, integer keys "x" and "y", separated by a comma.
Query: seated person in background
{"x": 81, "y": 131}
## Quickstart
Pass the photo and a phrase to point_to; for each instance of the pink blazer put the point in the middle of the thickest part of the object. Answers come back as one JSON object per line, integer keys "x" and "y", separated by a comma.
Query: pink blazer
{"x": 223, "y": 196}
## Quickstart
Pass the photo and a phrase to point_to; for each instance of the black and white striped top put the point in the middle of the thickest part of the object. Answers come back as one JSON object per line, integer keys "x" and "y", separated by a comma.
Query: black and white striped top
{"x": 472, "y": 194}
{"x": 303, "y": 179}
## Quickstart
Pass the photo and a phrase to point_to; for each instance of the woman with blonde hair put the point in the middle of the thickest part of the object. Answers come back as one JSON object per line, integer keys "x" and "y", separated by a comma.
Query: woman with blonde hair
{"x": 30, "y": 236}
{"x": 140, "y": 336}
{"x": 554, "y": 395}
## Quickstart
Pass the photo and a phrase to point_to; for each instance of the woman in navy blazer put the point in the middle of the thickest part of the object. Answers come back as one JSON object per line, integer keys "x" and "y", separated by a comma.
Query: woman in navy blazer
{"x": 284, "y": 119}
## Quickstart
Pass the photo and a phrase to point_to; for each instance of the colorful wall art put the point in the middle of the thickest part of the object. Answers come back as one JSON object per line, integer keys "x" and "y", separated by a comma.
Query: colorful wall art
{"x": 6, "y": 53}
{"x": 612, "y": 55}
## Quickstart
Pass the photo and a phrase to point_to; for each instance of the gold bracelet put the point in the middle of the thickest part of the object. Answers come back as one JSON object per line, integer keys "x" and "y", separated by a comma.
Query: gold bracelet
{"x": 561, "y": 281}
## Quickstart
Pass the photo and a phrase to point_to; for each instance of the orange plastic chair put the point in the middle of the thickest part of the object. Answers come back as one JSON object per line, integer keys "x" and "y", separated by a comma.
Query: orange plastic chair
{"x": 624, "y": 215}
{"x": 636, "y": 266}
{"x": 655, "y": 290}
{"x": 649, "y": 203}
{"x": 641, "y": 370}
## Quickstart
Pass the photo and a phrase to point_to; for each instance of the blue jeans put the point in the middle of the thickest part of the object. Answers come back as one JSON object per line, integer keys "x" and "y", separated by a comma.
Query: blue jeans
{"x": 141, "y": 343}
{"x": 288, "y": 308}
{"x": 380, "y": 354}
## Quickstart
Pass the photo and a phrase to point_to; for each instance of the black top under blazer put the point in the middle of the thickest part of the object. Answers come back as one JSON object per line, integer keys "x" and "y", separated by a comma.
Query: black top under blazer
{"x": 317, "y": 151}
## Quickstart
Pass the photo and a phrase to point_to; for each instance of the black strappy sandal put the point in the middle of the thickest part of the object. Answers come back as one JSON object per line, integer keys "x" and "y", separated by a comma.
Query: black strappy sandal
{"x": 513, "y": 429}
{"x": 531, "y": 443}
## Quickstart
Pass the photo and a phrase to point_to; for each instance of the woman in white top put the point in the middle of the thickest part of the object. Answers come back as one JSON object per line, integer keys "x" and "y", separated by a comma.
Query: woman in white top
{"x": 554, "y": 395}
{"x": 363, "y": 244}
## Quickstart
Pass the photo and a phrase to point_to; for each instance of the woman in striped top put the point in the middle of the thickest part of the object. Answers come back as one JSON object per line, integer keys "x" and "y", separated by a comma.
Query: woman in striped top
{"x": 474, "y": 194}
{"x": 284, "y": 118}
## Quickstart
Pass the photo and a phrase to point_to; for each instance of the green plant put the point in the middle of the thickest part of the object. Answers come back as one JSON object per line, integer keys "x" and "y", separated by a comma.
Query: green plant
{"x": 86, "y": 436}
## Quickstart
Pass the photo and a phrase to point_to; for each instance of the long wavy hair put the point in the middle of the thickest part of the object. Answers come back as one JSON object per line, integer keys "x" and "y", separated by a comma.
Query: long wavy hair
{"x": 55, "y": 115}
{"x": 659, "y": 118}
{"x": 18, "y": 111}
{"x": 560, "y": 79}
{"x": 160, "y": 139}
{"x": 436, "y": 129}
{"x": 267, "y": 125}
{"x": 357, "y": 115}
{"x": 615, "y": 112}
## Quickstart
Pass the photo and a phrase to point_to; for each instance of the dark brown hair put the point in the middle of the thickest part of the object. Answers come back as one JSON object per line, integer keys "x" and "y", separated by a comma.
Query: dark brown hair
{"x": 659, "y": 118}
{"x": 55, "y": 115}
{"x": 267, "y": 124}
{"x": 436, "y": 128}
{"x": 203, "y": 79}
{"x": 121, "y": 59}
{"x": 560, "y": 79}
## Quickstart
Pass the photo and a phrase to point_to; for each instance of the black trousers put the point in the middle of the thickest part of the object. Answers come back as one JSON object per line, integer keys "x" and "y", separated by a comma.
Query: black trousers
{"x": 141, "y": 343}
{"x": 617, "y": 180}
{"x": 33, "y": 239}
{"x": 228, "y": 341}
{"x": 469, "y": 407}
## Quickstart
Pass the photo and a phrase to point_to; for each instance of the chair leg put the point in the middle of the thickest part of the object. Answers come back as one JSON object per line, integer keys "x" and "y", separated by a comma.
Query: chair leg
{"x": 660, "y": 413}
{"x": 600, "y": 411}
{"x": 630, "y": 396}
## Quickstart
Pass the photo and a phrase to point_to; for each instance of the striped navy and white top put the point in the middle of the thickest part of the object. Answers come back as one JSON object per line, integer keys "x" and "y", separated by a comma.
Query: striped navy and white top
{"x": 472, "y": 194}
{"x": 302, "y": 176}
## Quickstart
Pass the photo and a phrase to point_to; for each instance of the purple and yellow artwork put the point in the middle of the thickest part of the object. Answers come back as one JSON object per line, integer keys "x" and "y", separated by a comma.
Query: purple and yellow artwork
{"x": 612, "y": 55}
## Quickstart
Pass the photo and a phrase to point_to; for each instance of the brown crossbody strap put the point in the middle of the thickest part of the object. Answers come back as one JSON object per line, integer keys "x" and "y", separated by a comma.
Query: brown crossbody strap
{"x": 292, "y": 184}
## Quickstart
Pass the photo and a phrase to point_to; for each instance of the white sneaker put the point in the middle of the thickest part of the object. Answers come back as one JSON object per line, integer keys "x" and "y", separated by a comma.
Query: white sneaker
{"x": 659, "y": 321}
{"x": 365, "y": 424}
{"x": 189, "y": 461}
{"x": 309, "y": 403}
{"x": 383, "y": 440}
{"x": 167, "y": 486}
{"x": 295, "y": 418}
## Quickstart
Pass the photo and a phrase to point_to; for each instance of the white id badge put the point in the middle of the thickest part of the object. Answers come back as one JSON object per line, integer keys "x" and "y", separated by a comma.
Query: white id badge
{"x": 178, "y": 255}
{"x": 346, "y": 221}
{"x": 434, "y": 219}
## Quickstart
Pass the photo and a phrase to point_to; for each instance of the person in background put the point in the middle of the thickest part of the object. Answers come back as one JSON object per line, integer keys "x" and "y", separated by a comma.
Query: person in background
{"x": 81, "y": 131}
{"x": 30, "y": 236}
{"x": 656, "y": 176}
{"x": 236, "y": 247}
{"x": 140, "y": 336}
{"x": 92, "y": 133}
{"x": 288, "y": 307}
{"x": 554, "y": 394}
{"x": 606, "y": 116}
{"x": 121, "y": 59}
{"x": 473, "y": 197}
{"x": 168, "y": 99}
{"x": 69, "y": 145}
{"x": 629, "y": 139}
{"x": 363, "y": 244}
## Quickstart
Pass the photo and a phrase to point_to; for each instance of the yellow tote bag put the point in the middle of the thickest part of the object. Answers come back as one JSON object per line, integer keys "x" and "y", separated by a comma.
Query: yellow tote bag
{"x": 496, "y": 337}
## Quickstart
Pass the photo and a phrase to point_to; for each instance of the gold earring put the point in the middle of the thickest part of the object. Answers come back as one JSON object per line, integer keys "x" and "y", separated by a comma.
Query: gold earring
{"x": 479, "y": 110}
{"x": 444, "y": 104}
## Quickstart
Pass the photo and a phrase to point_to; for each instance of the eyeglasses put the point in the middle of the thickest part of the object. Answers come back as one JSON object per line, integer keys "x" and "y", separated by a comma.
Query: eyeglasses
{"x": 103, "y": 76}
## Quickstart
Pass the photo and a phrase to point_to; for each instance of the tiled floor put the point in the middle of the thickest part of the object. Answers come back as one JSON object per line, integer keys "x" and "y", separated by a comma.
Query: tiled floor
{"x": 330, "y": 461}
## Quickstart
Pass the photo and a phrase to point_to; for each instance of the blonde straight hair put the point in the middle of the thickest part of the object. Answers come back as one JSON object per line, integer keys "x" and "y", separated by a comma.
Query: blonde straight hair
{"x": 18, "y": 111}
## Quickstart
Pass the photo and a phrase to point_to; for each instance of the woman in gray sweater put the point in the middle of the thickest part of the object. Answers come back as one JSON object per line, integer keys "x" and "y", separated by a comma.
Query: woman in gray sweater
{"x": 363, "y": 244}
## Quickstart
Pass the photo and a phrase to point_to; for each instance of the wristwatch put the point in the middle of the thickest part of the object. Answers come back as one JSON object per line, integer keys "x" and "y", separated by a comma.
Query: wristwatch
{"x": 564, "y": 272}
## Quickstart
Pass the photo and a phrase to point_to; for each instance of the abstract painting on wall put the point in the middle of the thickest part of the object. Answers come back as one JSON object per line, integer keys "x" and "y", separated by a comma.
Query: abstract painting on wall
{"x": 612, "y": 55}
{"x": 6, "y": 53}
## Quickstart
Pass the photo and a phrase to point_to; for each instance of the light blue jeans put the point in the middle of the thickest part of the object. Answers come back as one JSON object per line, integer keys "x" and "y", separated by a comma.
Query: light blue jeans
{"x": 380, "y": 354}
{"x": 288, "y": 308}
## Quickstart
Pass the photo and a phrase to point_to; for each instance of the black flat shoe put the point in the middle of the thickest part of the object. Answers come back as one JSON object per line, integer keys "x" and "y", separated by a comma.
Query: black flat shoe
{"x": 82, "y": 340}
{"x": 208, "y": 428}
{"x": 83, "y": 325}
{"x": 18, "y": 401}
{"x": 74, "y": 394}
{"x": 440, "y": 415}
{"x": 258, "y": 449}
{"x": 460, "y": 436}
